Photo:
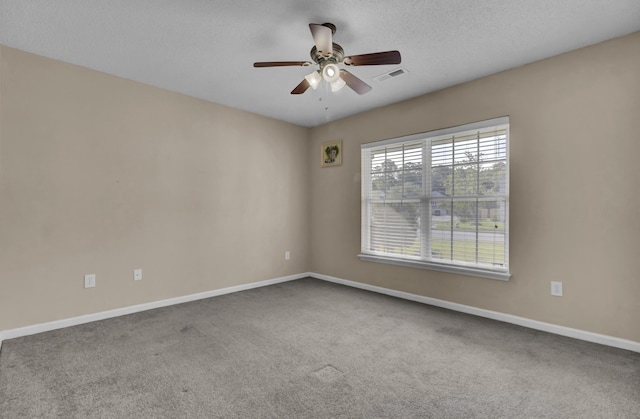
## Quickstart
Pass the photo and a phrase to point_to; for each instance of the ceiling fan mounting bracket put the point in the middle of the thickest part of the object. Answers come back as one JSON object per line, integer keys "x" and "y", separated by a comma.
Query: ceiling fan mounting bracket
{"x": 330, "y": 26}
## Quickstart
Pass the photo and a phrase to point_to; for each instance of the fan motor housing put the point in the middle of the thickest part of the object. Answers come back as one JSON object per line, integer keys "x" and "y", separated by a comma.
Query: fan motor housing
{"x": 335, "y": 57}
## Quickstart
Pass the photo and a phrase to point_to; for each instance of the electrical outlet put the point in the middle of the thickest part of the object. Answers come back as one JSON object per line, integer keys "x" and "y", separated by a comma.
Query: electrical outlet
{"x": 287, "y": 255}
{"x": 556, "y": 288}
{"x": 137, "y": 275}
{"x": 90, "y": 280}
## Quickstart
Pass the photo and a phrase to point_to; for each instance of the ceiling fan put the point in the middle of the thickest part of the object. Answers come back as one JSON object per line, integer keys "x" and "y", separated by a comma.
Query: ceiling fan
{"x": 328, "y": 55}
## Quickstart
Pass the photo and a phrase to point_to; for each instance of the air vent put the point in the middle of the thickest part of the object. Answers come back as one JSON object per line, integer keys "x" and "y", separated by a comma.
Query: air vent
{"x": 391, "y": 74}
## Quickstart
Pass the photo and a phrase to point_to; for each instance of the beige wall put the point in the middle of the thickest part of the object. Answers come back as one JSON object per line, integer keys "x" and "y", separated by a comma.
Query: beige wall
{"x": 103, "y": 175}
{"x": 575, "y": 189}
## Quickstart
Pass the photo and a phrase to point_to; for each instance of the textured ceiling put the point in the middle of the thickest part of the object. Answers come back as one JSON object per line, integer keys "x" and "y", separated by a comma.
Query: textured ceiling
{"x": 206, "y": 48}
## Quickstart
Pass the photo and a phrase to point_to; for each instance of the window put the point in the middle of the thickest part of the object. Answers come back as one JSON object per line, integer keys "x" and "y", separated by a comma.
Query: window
{"x": 439, "y": 200}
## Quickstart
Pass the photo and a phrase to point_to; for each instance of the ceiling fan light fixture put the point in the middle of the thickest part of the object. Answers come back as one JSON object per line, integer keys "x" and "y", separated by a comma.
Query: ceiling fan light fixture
{"x": 331, "y": 73}
{"x": 337, "y": 85}
{"x": 314, "y": 79}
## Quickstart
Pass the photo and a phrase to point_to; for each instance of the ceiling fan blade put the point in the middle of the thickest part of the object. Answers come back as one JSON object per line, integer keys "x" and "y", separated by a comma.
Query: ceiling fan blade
{"x": 282, "y": 63}
{"x": 354, "y": 83}
{"x": 301, "y": 88}
{"x": 323, "y": 38}
{"x": 376, "y": 58}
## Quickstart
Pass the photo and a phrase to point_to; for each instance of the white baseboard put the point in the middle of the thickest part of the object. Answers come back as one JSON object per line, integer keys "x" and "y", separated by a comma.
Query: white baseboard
{"x": 507, "y": 318}
{"x": 73, "y": 321}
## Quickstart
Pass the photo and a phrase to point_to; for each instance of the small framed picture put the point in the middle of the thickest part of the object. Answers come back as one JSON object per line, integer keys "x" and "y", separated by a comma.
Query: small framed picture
{"x": 331, "y": 153}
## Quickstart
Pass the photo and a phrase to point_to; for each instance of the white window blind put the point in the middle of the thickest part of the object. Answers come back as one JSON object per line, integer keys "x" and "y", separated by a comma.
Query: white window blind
{"x": 439, "y": 200}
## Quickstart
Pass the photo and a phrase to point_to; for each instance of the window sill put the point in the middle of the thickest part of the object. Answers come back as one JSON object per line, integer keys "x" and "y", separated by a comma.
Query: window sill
{"x": 462, "y": 270}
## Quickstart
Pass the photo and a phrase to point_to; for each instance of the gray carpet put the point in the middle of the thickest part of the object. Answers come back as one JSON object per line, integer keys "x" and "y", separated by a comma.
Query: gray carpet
{"x": 312, "y": 349}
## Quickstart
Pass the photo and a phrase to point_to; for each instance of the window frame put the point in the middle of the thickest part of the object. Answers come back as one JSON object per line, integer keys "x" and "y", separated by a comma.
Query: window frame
{"x": 425, "y": 261}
